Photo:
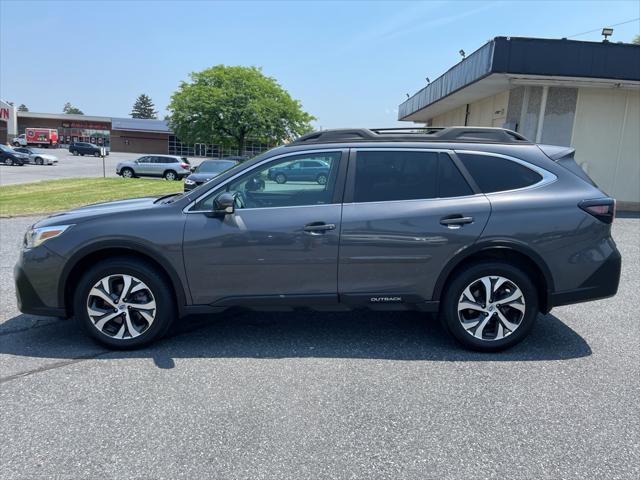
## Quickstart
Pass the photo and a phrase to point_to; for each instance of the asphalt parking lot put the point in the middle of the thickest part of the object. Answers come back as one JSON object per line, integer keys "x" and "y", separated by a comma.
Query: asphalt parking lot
{"x": 313, "y": 395}
{"x": 69, "y": 166}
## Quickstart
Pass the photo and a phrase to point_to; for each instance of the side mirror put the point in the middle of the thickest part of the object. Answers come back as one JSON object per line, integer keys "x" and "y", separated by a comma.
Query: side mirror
{"x": 224, "y": 204}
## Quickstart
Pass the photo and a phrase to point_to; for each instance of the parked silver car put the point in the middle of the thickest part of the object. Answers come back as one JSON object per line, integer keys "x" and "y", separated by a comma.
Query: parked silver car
{"x": 37, "y": 156}
{"x": 167, "y": 166}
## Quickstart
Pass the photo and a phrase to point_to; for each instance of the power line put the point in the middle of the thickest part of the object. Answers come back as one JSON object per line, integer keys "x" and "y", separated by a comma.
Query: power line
{"x": 598, "y": 29}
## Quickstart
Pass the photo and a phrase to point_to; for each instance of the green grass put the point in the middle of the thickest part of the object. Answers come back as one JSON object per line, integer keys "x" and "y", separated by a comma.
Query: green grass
{"x": 57, "y": 195}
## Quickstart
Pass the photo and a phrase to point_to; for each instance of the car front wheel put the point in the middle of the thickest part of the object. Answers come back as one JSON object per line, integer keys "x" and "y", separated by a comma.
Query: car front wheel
{"x": 490, "y": 306}
{"x": 126, "y": 173}
{"x": 322, "y": 179}
{"x": 8, "y": 162}
{"x": 281, "y": 178}
{"x": 39, "y": 161}
{"x": 124, "y": 303}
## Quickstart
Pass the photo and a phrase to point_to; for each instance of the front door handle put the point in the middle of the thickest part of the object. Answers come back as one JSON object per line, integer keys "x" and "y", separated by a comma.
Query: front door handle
{"x": 316, "y": 228}
{"x": 455, "y": 221}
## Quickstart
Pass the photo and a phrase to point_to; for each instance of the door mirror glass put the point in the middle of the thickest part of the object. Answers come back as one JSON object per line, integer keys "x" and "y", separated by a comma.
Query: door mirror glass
{"x": 224, "y": 204}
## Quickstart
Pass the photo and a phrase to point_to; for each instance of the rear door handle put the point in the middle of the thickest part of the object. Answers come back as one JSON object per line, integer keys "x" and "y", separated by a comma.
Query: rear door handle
{"x": 316, "y": 228}
{"x": 455, "y": 221}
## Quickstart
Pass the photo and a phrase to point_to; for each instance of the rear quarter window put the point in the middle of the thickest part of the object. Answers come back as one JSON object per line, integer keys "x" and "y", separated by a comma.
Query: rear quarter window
{"x": 497, "y": 174}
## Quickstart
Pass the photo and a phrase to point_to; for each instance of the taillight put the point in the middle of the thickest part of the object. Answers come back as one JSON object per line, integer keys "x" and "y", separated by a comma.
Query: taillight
{"x": 185, "y": 166}
{"x": 604, "y": 209}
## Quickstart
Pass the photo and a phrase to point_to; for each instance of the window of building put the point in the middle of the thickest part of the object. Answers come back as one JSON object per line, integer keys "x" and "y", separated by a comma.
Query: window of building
{"x": 497, "y": 174}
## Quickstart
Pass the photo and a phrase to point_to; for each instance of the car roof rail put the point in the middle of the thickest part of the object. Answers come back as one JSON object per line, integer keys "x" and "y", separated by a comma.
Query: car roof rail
{"x": 413, "y": 134}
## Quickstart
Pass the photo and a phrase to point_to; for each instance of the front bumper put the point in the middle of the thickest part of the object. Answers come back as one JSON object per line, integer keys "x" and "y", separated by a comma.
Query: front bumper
{"x": 603, "y": 283}
{"x": 36, "y": 276}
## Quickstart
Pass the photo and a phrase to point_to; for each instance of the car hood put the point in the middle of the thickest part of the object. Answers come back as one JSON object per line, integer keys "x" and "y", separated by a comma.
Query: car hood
{"x": 202, "y": 177}
{"x": 99, "y": 209}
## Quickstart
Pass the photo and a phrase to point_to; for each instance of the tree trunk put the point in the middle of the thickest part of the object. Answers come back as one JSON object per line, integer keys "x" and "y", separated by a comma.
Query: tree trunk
{"x": 240, "y": 140}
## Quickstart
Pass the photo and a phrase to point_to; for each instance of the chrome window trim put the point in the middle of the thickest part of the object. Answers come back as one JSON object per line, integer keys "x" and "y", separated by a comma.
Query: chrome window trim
{"x": 547, "y": 176}
{"x": 266, "y": 160}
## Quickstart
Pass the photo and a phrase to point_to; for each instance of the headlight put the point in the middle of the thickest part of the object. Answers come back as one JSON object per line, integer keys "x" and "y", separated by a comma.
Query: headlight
{"x": 189, "y": 182}
{"x": 36, "y": 236}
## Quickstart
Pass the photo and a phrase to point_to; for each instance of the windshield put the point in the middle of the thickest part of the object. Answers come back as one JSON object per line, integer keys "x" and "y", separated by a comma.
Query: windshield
{"x": 4, "y": 148}
{"x": 214, "y": 167}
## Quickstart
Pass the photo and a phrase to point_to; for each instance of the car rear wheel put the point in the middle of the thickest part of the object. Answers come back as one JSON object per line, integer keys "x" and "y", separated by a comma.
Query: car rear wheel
{"x": 170, "y": 175}
{"x": 281, "y": 178}
{"x": 126, "y": 173}
{"x": 124, "y": 303}
{"x": 490, "y": 306}
{"x": 322, "y": 179}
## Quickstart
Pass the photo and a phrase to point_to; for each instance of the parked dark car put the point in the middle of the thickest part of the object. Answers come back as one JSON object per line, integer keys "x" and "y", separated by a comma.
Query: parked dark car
{"x": 207, "y": 170}
{"x": 311, "y": 170}
{"x": 84, "y": 148}
{"x": 9, "y": 156}
{"x": 481, "y": 225}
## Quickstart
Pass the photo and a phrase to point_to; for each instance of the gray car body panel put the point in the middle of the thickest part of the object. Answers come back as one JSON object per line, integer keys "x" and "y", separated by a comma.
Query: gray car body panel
{"x": 394, "y": 249}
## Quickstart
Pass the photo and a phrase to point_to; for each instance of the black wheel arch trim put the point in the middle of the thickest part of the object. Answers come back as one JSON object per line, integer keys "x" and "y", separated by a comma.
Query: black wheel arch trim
{"x": 496, "y": 244}
{"x": 134, "y": 247}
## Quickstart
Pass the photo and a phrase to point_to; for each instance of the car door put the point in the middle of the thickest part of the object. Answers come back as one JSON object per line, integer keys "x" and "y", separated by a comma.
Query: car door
{"x": 407, "y": 212}
{"x": 142, "y": 166}
{"x": 279, "y": 246}
{"x": 161, "y": 164}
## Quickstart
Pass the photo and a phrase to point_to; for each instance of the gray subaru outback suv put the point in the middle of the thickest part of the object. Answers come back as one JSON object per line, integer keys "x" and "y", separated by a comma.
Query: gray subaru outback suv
{"x": 479, "y": 224}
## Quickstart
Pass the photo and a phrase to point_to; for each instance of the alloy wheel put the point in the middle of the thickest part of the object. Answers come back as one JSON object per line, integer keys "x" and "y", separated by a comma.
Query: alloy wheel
{"x": 121, "y": 306}
{"x": 322, "y": 179}
{"x": 491, "y": 308}
{"x": 126, "y": 173}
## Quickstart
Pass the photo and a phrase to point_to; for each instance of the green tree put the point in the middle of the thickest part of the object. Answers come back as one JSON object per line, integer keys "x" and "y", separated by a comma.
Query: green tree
{"x": 636, "y": 40}
{"x": 229, "y": 105}
{"x": 144, "y": 108}
{"x": 23, "y": 108}
{"x": 70, "y": 109}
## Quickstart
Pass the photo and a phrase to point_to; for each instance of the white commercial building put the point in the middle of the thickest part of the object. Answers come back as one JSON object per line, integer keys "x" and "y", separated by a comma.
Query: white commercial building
{"x": 562, "y": 92}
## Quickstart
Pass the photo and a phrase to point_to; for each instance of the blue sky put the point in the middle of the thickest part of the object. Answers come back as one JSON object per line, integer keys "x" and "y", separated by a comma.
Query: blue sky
{"x": 349, "y": 63}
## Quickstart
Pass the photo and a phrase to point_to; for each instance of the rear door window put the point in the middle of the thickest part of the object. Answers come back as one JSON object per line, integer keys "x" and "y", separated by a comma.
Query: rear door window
{"x": 497, "y": 174}
{"x": 405, "y": 175}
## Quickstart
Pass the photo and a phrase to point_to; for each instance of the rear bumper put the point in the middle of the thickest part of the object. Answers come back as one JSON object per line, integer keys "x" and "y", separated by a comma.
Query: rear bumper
{"x": 603, "y": 283}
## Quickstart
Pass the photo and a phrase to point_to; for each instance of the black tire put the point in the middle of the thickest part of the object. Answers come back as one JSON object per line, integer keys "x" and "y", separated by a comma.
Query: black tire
{"x": 96, "y": 154}
{"x": 170, "y": 175}
{"x": 16, "y": 144}
{"x": 165, "y": 311}
{"x": 322, "y": 179}
{"x": 127, "y": 173}
{"x": 82, "y": 154}
{"x": 74, "y": 153}
{"x": 281, "y": 178}
{"x": 465, "y": 277}
{"x": 8, "y": 162}
{"x": 39, "y": 161}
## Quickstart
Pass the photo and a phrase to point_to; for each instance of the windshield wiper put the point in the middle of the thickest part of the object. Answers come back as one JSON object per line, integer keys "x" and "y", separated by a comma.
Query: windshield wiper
{"x": 165, "y": 197}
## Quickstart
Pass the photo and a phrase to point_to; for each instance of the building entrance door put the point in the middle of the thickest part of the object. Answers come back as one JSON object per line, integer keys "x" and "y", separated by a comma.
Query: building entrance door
{"x": 200, "y": 150}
